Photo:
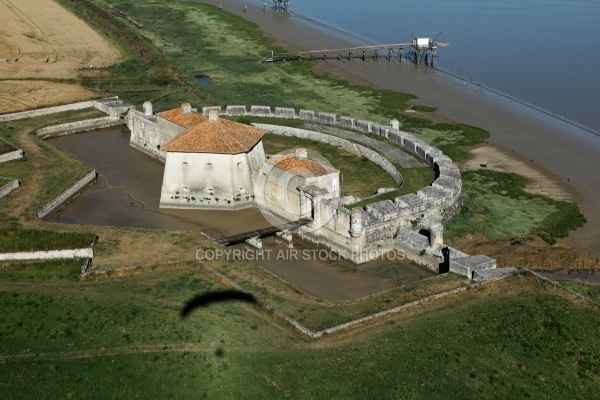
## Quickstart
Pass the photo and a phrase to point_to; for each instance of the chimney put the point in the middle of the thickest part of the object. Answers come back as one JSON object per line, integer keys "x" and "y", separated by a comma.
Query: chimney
{"x": 300, "y": 154}
{"x": 147, "y": 108}
{"x": 186, "y": 108}
{"x": 213, "y": 115}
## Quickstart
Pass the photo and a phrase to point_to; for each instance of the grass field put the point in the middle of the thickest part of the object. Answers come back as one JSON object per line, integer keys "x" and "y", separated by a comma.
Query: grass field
{"x": 496, "y": 205}
{"x": 124, "y": 338}
{"x": 15, "y": 238}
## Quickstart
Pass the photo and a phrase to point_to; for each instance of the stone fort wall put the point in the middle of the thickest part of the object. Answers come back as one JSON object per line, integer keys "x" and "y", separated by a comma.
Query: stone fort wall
{"x": 361, "y": 234}
{"x": 380, "y": 226}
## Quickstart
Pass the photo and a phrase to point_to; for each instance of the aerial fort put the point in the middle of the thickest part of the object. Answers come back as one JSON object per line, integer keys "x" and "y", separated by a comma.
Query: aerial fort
{"x": 215, "y": 163}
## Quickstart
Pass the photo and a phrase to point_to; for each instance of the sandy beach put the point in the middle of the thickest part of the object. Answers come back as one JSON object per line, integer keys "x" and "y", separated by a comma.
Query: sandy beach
{"x": 562, "y": 155}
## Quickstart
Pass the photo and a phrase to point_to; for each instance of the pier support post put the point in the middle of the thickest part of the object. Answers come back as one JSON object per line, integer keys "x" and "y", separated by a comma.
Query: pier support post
{"x": 255, "y": 244}
{"x": 284, "y": 237}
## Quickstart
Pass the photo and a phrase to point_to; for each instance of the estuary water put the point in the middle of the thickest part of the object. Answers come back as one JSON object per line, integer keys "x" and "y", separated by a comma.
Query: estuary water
{"x": 544, "y": 52}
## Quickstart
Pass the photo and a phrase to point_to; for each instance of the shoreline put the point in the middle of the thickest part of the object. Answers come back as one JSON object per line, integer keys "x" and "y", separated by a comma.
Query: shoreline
{"x": 562, "y": 152}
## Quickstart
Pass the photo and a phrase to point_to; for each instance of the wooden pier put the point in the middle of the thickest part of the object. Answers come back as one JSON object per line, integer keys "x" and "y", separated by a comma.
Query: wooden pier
{"x": 262, "y": 233}
{"x": 421, "y": 51}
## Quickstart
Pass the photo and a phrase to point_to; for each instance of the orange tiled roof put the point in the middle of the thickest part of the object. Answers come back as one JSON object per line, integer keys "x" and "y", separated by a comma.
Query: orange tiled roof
{"x": 216, "y": 136}
{"x": 304, "y": 167}
{"x": 186, "y": 120}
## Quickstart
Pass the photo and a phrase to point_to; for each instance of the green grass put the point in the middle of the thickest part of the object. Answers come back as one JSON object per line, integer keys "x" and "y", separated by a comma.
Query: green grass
{"x": 15, "y": 238}
{"x": 228, "y": 51}
{"x": 5, "y": 147}
{"x": 248, "y": 120}
{"x": 124, "y": 338}
{"x": 360, "y": 176}
{"x": 496, "y": 205}
{"x": 415, "y": 179}
{"x": 53, "y": 170}
{"x": 426, "y": 109}
{"x": 587, "y": 289}
{"x": 40, "y": 272}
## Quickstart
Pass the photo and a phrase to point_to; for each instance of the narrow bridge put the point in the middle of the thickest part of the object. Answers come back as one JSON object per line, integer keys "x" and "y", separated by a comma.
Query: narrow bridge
{"x": 262, "y": 233}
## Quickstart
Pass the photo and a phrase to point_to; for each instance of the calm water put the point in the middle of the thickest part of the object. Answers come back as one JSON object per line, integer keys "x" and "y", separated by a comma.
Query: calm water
{"x": 545, "y": 52}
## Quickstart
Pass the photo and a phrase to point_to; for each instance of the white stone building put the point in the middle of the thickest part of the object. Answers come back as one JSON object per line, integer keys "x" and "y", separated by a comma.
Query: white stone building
{"x": 151, "y": 132}
{"x": 284, "y": 178}
{"x": 212, "y": 165}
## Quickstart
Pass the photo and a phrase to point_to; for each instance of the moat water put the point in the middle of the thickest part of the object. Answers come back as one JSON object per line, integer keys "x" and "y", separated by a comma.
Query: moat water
{"x": 127, "y": 195}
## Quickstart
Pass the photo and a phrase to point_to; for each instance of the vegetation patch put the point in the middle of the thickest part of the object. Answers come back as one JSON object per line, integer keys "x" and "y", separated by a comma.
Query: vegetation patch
{"x": 249, "y": 120}
{"x": 45, "y": 172}
{"x": 426, "y": 109}
{"x": 496, "y": 205}
{"x": 415, "y": 179}
{"x": 317, "y": 314}
{"x": 16, "y": 238}
{"x": 587, "y": 289}
{"x": 5, "y": 147}
{"x": 36, "y": 271}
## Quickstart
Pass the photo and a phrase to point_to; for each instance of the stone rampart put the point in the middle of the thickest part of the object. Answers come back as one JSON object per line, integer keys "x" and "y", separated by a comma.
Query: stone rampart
{"x": 8, "y": 186}
{"x": 67, "y": 195}
{"x": 78, "y": 126}
{"x": 381, "y": 223}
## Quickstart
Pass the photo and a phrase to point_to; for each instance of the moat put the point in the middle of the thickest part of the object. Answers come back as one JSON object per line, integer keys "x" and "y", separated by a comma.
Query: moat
{"x": 127, "y": 194}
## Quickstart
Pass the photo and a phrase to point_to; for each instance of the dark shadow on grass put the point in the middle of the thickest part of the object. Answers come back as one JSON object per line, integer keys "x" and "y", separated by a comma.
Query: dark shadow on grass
{"x": 204, "y": 300}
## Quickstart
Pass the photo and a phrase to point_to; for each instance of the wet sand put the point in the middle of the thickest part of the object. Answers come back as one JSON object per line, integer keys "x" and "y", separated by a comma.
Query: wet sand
{"x": 562, "y": 152}
{"x": 334, "y": 278}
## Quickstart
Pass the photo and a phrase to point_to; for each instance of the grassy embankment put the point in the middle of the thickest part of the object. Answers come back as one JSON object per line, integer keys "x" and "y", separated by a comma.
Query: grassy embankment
{"x": 15, "y": 238}
{"x": 496, "y": 205}
{"x": 44, "y": 173}
{"x": 5, "y": 147}
{"x": 124, "y": 338}
{"x": 587, "y": 289}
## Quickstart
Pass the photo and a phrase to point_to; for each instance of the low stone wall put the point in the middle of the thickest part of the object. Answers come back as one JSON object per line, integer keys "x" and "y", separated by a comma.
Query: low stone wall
{"x": 48, "y": 255}
{"x": 78, "y": 126}
{"x": 444, "y": 193}
{"x": 67, "y": 195}
{"x": 6, "y": 188}
{"x": 13, "y": 155}
{"x": 45, "y": 111}
{"x": 112, "y": 106}
{"x": 351, "y": 147}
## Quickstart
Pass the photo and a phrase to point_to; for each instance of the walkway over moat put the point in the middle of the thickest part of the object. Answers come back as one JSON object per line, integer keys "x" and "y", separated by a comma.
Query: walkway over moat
{"x": 262, "y": 233}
